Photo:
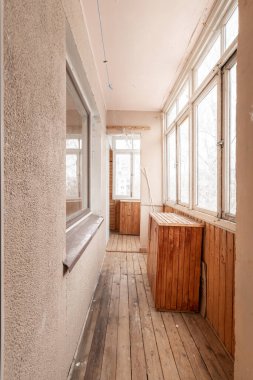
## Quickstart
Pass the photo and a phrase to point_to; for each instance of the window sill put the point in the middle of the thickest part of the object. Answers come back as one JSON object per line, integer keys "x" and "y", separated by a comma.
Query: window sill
{"x": 222, "y": 223}
{"x": 79, "y": 237}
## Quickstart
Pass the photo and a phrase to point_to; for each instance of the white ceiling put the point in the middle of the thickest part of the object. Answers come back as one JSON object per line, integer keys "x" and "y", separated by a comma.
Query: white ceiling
{"x": 145, "y": 41}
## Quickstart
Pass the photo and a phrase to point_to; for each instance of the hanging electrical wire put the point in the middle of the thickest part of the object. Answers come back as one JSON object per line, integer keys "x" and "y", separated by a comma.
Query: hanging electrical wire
{"x": 105, "y": 61}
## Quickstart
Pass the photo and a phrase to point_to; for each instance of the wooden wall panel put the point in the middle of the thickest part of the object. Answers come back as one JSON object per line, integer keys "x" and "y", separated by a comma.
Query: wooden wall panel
{"x": 219, "y": 256}
{"x": 114, "y": 204}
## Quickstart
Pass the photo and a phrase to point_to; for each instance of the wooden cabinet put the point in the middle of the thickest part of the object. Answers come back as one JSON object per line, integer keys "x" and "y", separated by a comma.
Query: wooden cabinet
{"x": 129, "y": 219}
{"x": 174, "y": 260}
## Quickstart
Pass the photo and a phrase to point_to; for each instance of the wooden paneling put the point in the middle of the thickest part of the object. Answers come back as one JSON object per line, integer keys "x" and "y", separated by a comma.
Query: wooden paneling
{"x": 174, "y": 262}
{"x": 114, "y": 204}
{"x": 219, "y": 256}
{"x": 129, "y": 215}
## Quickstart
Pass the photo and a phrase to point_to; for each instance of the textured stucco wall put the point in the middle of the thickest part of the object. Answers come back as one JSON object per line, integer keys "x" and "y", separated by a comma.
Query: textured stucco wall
{"x": 151, "y": 159}
{"x": 44, "y": 309}
{"x": 244, "y": 237}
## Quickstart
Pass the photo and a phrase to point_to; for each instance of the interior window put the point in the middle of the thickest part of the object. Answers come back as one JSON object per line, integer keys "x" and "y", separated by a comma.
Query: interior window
{"x": 127, "y": 168}
{"x": 76, "y": 153}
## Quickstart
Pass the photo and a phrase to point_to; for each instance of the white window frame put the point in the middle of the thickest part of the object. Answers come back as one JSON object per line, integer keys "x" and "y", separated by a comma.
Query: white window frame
{"x": 225, "y": 137}
{"x": 183, "y": 118}
{"x": 214, "y": 82}
{"x": 130, "y": 152}
{"x": 218, "y": 19}
{"x": 74, "y": 90}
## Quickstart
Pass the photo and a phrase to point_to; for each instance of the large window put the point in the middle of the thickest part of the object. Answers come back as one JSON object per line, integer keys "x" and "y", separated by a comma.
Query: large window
{"x": 127, "y": 168}
{"x": 77, "y": 199}
{"x": 206, "y": 151}
{"x": 229, "y": 108}
{"x": 200, "y": 131}
{"x": 184, "y": 162}
{"x": 172, "y": 163}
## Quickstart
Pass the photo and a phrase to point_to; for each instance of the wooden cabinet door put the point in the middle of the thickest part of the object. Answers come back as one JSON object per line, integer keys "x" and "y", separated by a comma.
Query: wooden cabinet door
{"x": 129, "y": 218}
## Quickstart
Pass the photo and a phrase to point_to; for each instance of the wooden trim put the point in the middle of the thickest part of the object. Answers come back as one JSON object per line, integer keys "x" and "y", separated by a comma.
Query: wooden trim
{"x": 219, "y": 256}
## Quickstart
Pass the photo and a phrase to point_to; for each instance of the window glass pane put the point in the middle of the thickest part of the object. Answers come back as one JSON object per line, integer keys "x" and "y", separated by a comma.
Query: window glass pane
{"x": 231, "y": 28}
{"x": 232, "y": 140}
{"x": 183, "y": 97}
{"x": 184, "y": 167}
{"x": 171, "y": 155}
{"x": 209, "y": 61}
{"x": 136, "y": 175}
{"x": 207, "y": 152}
{"x": 123, "y": 174}
{"x": 72, "y": 176}
{"x": 76, "y": 154}
{"x": 73, "y": 143}
{"x": 137, "y": 143}
{"x": 124, "y": 143}
{"x": 171, "y": 115}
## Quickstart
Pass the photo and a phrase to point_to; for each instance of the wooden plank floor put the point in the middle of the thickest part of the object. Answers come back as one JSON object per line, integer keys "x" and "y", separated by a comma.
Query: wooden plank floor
{"x": 126, "y": 338}
{"x": 123, "y": 243}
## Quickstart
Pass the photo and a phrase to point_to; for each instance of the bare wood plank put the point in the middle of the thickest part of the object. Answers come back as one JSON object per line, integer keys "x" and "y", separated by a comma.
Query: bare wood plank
{"x": 185, "y": 300}
{"x": 160, "y": 289}
{"x": 181, "y": 258}
{"x": 197, "y": 271}
{"x": 93, "y": 369}
{"x": 223, "y": 358}
{"x": 137, "y": 348}
{"x": 152, "y": 357}
{"x": 166, "y": 357}
{"x": 210, "y": 273}
{"x": 192, "y": 267}
{"x": 222, "y": 286}
{"x": 197, "y": 363}
{"x": 204, "y": 348}
{"x": 128, "y": 244}
{"x": 169, "y": 271}
{"x": 216, "y": 278}
{"x": 123, "y": 370}
{"x": 229, "y": 292}
{"x": 176, "y": 241}
{"x": 86, "y": 340}
{"x": 137, "y": 269}
{"x": 110, "y": 351}
{"x": 115, "y": 243}
{"x": 181, "y": 359}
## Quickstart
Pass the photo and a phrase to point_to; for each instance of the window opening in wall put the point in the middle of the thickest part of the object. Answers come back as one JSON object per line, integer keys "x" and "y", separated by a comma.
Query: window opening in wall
{"x": 77, "y": 158}
{"x": 127, "y": 168}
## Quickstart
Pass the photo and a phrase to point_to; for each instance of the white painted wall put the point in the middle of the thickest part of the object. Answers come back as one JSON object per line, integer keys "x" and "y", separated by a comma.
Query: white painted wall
{"x": 151, "y": 159}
